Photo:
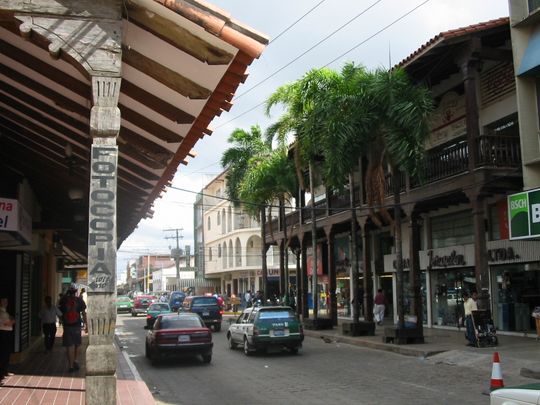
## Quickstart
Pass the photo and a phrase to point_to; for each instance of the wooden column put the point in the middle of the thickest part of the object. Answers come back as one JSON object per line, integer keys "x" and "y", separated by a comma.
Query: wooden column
{"x": 101, "y": 354}
{"x": 368, "y": 274}
{"x": 332, "y": 274}
{"x": 304, "y": 277}
{"x": 481, "y": 268}
{"x": 283, "y": 283}
{"x": 414, "y": 265}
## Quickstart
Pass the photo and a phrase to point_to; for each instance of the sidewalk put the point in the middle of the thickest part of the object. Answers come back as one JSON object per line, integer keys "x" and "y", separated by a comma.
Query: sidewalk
{"x": 44, "y": 379}
{"x": 449, "y": 346}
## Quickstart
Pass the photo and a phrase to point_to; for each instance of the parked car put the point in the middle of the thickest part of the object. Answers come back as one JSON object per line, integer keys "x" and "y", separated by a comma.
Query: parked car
{"x": 123, "y": 304}
{"x": 155, "y": 309}
{"x": 266, "y": 327}
{"x": 520, "y": 395}
{"x": 177, "y": 334}
{"x": 176, "y": 299}
{"x": 141, "y": 304}
{"x": 207, "y": 308}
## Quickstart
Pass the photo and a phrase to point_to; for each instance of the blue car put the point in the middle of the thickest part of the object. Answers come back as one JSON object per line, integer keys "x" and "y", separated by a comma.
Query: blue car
{"x": 176, "y": 299}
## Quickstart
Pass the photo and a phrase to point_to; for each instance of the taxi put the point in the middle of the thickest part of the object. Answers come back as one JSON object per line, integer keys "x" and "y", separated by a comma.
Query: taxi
{"x": 264, "y": 328}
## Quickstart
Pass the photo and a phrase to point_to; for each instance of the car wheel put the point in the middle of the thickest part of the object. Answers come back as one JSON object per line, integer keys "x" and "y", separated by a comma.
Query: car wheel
{"x": 217, "y": 327}
{"x": 207, "y": 358}
{"x": 232, "y": 344}
{"x": 247, "y": 349}
{"x": 153, "y": 357}
{"x": 133, "y": 313}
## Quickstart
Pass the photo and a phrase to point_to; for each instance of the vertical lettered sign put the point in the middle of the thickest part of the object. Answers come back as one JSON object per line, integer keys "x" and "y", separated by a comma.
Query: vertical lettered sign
{"x": 102, "y": 219}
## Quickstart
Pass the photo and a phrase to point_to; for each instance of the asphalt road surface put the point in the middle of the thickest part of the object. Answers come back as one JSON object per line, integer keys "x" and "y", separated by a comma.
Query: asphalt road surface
{"x": 323, "y": 373}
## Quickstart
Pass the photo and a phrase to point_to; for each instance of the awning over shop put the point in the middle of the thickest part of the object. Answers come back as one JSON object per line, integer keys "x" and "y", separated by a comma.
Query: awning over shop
{"x": 530, "y": 63}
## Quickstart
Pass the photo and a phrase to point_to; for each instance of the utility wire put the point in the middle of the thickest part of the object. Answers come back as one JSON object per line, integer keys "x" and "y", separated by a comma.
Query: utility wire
{"x": 296, "y": 22}
{"x": 356, "y": 46}
{"x": 308, "y": 50}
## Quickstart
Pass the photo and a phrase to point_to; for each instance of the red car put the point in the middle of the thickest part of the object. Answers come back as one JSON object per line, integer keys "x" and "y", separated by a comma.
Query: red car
{"x": 141, "y": 304}
{"x": 176, "y": 334}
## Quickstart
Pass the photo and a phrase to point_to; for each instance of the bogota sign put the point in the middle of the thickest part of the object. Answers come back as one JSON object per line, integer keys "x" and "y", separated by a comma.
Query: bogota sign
{"x": 524, "y": 214}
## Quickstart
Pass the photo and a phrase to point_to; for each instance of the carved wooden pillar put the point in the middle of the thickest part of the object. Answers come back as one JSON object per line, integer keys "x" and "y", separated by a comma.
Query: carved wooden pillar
{"x": 368, "y": 274}
{"x": 332, "y": 274}
{"x": 101, "y": 354}
{"x": 481, "y": 268}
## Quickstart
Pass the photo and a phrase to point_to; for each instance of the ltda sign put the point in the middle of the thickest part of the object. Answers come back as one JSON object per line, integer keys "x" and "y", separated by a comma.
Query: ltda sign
{"x": 524, "y": 214}
{"x": 102, "y": 219}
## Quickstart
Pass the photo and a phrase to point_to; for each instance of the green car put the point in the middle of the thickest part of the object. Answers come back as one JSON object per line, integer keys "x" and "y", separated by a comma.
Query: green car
{"x": 154, "y": 310}
{"x": 265, "y": 328}
{"x": 123, "y": 304}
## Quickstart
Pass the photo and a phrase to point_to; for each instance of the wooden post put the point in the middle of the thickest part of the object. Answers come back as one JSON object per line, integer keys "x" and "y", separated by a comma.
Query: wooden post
{"x": 101, "y": 354}
{"x": 332, "y": 274}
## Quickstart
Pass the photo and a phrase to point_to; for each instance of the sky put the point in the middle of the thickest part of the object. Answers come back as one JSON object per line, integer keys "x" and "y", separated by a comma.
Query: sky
{"x": 375, "y": 34}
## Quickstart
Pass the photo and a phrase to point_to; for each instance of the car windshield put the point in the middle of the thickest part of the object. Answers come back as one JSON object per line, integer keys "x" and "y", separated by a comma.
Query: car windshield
{"x": 181, "y": 322}
{"x": 276, "y": 314}
{"x": 197, "y": 302}
{"x": 123, "y": 299}
{"x": 158, "y": 307}
{"x": 177, "y": 296}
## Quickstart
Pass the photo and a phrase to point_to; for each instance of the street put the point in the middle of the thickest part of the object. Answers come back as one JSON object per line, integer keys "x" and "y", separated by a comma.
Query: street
{"x": 323, "y": 373}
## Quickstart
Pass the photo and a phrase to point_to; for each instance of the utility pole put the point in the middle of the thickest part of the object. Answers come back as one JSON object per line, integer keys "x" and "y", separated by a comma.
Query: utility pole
{"x": 175, "y": 253}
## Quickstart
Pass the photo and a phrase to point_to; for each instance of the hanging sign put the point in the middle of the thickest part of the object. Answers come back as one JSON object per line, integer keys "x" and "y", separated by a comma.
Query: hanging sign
{"x": 524, "y": 214}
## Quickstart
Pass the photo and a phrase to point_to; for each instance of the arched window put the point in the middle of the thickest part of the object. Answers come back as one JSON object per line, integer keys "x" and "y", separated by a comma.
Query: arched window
{"x": 218, "y": 218}
{"x": 219, "y": 251}
{"x": 230, "y": 253}
{"x": 224, "y": 221}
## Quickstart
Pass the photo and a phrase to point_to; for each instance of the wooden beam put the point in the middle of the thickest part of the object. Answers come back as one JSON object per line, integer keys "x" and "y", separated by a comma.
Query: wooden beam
{"x": 176, "y": 35}
{"x": 164, "y": 75}
{"x": 95, "y": 9}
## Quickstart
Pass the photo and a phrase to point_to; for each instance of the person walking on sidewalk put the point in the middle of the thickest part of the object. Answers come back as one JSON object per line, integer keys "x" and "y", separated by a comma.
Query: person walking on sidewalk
{"x": 6, "y": 338}
{"x": 72, "y": 307}
{"x": 48, "y": 315}
{"x": 469, "y": 305}
{"x": 379, "y": 305}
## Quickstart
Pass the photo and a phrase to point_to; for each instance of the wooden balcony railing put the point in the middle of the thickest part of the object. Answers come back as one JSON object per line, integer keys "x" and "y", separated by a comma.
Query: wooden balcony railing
{"x": 498, "y": 151}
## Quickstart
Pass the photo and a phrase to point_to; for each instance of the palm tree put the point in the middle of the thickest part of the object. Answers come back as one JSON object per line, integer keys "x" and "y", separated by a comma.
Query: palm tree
{"x": 300, "y": 99}
{"x": 246, "y": 146}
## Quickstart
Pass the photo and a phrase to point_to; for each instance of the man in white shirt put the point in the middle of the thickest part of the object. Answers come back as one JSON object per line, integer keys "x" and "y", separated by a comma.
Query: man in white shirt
{"x": 48, "y": 315}
{"x": 470, "y": 305}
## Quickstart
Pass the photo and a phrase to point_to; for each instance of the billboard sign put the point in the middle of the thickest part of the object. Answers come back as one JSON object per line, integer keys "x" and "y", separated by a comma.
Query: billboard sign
{"x": 524, "y": 214}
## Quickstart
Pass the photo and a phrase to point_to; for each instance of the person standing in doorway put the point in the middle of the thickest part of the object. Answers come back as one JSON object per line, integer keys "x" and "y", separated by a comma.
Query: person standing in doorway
{"x": 469, "y": 305}
{"x": 72, "y": 307}
{"x": 6, "y": 338}
{"x": 379, "y": 305}
{"x": 48, "y": 315}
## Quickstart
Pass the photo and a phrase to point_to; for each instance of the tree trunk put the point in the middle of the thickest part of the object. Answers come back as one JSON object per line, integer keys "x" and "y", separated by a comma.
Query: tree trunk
{"x": 313, "y": 243}
{"x": 396, "y": 183}
{"x": 263, "y": 255}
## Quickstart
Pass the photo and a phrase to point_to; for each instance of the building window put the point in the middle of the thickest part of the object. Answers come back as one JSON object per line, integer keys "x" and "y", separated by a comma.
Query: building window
{"x": 218, "y": 218}
{"x": 453, "y": 229}
{"x": 209, "y": 254}
{"x": 219, "y": 251}
{"x": 209, "y": 224}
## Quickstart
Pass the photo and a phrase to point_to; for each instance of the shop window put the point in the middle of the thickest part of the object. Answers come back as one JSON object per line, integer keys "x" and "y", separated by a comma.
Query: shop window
{"x": 447, "y": 294}
{"x": 453, "y": 229}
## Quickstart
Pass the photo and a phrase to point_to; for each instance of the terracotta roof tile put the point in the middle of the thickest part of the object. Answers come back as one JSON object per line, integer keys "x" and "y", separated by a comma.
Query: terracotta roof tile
{"x": 458, "y": 32}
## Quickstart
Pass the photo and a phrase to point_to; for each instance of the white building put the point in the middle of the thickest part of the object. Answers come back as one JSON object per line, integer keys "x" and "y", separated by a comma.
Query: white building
{"x": 232, "y": 244}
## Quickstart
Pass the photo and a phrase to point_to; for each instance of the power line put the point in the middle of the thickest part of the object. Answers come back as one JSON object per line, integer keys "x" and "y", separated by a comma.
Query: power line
{"x": 308, "y": 50}
{"x": 296, "y": 22}
{"x": 356, "y": 46}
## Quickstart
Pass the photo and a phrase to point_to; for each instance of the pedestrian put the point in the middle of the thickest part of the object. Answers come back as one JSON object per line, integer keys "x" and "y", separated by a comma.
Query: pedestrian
{"x": 379, "y": 305}
{"x": 469, "y": 305}
{"x": 84, "y": 297}
{"x": 247, "y": 298}
{"x": 73, "y": 310}
{"x": 48, "y": 315}
{"x": 6, "y": 338}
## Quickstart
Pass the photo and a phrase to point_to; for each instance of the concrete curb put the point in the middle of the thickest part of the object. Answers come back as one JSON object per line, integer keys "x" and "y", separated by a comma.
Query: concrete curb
{"x": 389, "y": 347}
{"x": 130, "y": 364}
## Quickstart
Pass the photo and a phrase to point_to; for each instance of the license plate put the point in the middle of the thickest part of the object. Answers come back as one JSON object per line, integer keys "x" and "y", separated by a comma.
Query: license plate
{"x": 183, "y": 338}
{"x": 123, "y": 306}
{"x": 279, "y": 333}
{"x": 205, "y": 313}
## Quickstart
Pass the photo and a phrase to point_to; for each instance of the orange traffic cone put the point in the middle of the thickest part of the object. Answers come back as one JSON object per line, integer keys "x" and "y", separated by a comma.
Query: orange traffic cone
{"x": 496, "y": 374}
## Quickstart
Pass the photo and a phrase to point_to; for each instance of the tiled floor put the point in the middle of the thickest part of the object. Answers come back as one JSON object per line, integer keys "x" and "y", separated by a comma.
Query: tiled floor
{"x": 44, "y": 379}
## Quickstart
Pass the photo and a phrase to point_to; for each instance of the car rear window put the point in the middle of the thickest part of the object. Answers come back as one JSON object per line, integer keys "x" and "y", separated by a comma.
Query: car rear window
{"x": 159, "y": 307}
{"x": 276, "y": 314}
{"x": 123, "y": 299}
{"x": 178, "y": 323}
{"x": 197, "y": 302}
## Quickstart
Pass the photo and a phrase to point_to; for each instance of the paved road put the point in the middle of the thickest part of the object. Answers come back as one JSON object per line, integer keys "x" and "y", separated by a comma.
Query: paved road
{"x": 323, "y": 373}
